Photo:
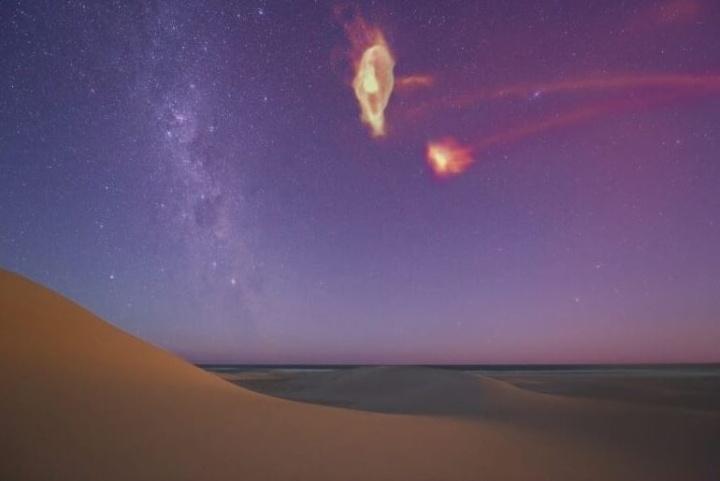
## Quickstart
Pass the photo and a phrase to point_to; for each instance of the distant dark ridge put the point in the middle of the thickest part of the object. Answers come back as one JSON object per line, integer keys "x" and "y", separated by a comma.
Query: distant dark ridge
{"x": 468, "y": 367}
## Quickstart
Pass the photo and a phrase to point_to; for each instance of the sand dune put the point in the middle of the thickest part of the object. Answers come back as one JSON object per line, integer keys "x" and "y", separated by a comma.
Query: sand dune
{"x": 84, "y": 401}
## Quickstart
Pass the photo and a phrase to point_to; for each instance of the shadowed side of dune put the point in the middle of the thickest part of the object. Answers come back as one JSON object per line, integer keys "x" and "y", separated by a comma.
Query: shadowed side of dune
{"x": 397, "y": 389}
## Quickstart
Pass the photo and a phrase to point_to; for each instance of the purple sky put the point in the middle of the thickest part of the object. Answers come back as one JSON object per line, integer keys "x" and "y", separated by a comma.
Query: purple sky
{"x": 196, "y": 173}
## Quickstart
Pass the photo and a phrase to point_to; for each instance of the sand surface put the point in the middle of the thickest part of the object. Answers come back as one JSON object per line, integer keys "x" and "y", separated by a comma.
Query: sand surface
{"x": 82, "y": 400}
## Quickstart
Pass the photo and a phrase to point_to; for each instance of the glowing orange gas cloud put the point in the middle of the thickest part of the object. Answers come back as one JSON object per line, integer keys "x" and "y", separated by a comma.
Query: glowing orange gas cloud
{"x": 373, "y": 79}
{"x": 448, "y": 158}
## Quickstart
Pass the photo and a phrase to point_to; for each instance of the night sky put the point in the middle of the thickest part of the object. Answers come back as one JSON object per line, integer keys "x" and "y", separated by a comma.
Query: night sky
{"x": 197, "y": 174}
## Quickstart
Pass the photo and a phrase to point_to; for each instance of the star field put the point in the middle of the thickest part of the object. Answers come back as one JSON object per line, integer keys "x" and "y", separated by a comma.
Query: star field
{"x": 197, "y": 174}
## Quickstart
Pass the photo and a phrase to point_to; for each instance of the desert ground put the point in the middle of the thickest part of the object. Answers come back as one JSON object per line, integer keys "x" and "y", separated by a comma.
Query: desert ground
{"x": 83, "y": 400}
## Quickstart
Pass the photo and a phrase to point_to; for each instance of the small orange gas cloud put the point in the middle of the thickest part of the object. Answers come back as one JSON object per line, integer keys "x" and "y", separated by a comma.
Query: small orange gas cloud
{"x": 448, "y": 158}
{"x": 373, "y": 79}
